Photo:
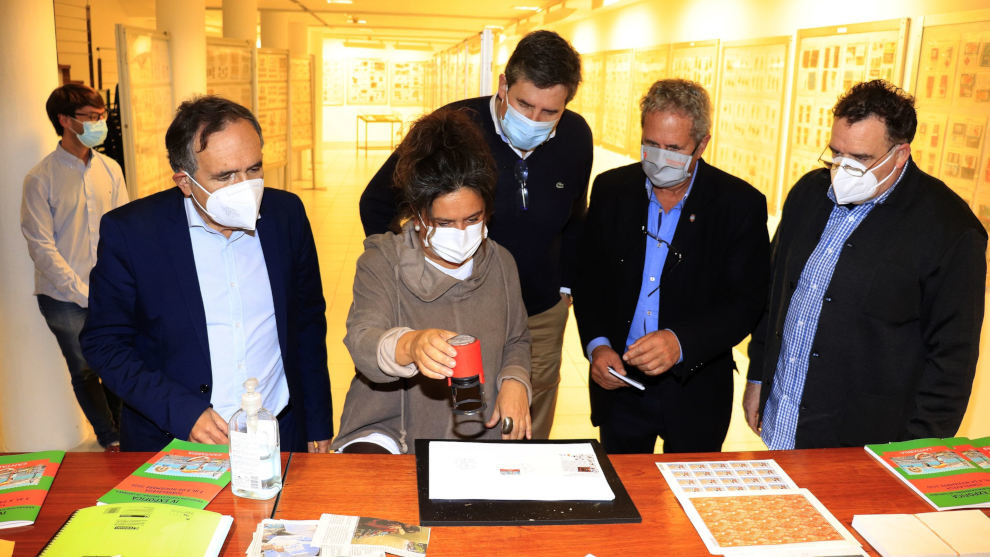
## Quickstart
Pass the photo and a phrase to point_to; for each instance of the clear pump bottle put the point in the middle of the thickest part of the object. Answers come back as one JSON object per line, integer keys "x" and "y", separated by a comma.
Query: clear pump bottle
{"x": 255, "y": 459}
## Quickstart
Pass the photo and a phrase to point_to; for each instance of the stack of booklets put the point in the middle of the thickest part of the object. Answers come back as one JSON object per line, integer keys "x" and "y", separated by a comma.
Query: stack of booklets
{"x": 338, "y": 535}
{"x": 146, "y": 529}
{"x": 948, "y": 473}
{"x": 926, "y": 534}
{"x": 183, "y": 473}
{"x": 752, "y": 507}
{"x": 25, "y": 480}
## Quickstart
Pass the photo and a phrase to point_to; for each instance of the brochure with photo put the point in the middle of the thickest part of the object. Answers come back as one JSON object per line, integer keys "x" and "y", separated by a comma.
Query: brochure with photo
{"x": 338, "y": 536}
{"x": 949, "y": 473}
{"x": 25, "y": 480}
{"x": 183, "y": 473}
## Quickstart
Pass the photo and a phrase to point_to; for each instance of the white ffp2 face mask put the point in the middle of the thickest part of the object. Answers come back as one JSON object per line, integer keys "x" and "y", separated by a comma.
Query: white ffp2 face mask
{"x": 454, "y": 245}
{"x": 233, "y": 206}
{"x": 664, "y": 168}
{"x": 856, "y": 189}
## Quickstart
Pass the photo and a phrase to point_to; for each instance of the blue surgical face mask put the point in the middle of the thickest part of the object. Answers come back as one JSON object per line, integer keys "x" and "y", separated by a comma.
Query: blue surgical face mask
{"x": 524, "y": 134}
{"x": 94, "y": 133}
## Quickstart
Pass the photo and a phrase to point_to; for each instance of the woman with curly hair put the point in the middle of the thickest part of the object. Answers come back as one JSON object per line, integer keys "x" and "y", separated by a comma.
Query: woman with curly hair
{"x": 440, "y": 277}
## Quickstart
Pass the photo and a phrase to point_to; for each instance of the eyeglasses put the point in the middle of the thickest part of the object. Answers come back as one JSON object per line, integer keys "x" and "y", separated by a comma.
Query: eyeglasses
{"x": 827, "y": 161}
{"x": 90, "y": 116}
{"x": 522, "y": 175}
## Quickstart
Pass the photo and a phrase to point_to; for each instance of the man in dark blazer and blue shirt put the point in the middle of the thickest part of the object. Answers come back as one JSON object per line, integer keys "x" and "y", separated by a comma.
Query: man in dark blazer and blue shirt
{"x": 673, "y": 273}
{"x": 877, "y": 292}
{"x": 200, "y": 287}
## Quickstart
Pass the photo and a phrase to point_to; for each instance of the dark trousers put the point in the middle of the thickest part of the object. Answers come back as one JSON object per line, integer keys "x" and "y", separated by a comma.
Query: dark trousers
{"x": 291, "y": 437}
{"x": 99, "y": 404}
{"x": 692, "y": 416}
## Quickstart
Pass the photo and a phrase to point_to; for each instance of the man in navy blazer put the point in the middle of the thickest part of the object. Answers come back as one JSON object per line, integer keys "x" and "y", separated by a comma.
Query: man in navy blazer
{"x": 202, "y": 286}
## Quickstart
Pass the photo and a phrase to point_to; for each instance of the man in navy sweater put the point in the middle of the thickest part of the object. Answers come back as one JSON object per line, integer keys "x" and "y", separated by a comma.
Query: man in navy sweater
{"x": 543, "y": 155}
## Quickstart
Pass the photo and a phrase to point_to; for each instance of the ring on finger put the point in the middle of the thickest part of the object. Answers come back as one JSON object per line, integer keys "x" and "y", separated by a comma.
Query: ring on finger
{"x": 506, "y": 425}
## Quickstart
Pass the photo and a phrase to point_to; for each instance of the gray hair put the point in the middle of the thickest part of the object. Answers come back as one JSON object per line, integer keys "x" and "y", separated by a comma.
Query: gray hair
{"x": 205, "y": 116}
{"x": 683, "y": 97}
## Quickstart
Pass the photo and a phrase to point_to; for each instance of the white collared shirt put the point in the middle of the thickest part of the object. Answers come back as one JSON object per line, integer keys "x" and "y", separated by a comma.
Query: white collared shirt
{"x": 240, "y": 316}
{"x": 63, "y": 201}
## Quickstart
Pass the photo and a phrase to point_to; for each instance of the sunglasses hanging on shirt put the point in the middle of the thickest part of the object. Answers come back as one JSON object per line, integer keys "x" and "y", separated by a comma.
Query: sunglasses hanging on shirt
{"x": 522, "y": 176}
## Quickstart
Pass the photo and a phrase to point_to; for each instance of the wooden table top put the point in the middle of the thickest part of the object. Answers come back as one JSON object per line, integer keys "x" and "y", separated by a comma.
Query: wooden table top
{"x": 846, "y": 481}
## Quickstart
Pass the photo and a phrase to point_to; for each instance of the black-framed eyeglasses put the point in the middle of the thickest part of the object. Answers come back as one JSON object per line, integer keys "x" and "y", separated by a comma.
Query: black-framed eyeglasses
{"x": 671, "y": 250}
{"x": 90, "y": 116}
{"x": 828, "y": 163}
{"x": 522, "y": 176}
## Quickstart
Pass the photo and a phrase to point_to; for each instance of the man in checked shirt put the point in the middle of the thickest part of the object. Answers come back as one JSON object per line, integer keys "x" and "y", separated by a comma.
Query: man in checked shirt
{"x": 877, "y": 291}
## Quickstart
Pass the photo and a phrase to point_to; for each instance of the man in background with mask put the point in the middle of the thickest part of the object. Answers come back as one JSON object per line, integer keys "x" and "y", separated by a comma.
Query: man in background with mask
{"x": 64, "y": 197}
{"x": 543, "y": 158}
{"x": 673, "y": 273}
{"x": 200, "y": 287}
{"x": 876, "y": 302}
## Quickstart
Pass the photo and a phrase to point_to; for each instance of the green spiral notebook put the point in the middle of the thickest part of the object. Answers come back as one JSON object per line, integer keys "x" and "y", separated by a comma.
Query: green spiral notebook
{"x": 140, "y": 529}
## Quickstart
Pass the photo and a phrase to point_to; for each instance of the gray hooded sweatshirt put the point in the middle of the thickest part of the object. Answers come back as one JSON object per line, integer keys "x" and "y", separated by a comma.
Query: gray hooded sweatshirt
{"x": 396, "y": 290}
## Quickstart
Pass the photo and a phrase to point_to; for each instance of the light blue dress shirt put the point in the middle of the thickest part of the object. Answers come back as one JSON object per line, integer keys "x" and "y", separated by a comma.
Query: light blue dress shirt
{"x": 240, "y": 316}
{"x": 780, "y": 416}
{"x": 646, "y": 318}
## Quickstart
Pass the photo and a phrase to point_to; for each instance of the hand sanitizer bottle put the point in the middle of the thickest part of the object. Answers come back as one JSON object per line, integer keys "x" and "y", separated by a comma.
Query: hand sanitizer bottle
{"x": 255, "y": 459}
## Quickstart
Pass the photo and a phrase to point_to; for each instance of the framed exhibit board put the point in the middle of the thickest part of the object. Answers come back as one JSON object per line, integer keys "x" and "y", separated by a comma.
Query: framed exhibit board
{"x": 368, "y": 81}
{"x": 449, "y": 76}
{"x": 334, "y": 81}
{"x": 617, "y": 100}
{"x": 952, "y": 94}
{"x": 301, "y": 117}
{"x": 698, "y": 62}
{"x": 747, "y": 134}
{"x": 301, "y": 101}
{"x": 228, "y": 70}
{"x": 648, "y": 66}
{"x": 591, "y": 92}
{"x": 272, "y": 108}
{"x": 146, "y": 106}
{"x": 828, "y": 61}
{"x": 472, "y": 71}
{"x": 408, "y": 81}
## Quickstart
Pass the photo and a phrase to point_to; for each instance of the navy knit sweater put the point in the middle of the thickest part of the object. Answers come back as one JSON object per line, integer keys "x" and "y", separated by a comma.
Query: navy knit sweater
{"x": 543, "y": 240}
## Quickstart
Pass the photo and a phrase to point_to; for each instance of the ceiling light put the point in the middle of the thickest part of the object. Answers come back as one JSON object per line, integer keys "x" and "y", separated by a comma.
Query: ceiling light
{"x": 527, "y": 8}
{"x": 340, "y": 1}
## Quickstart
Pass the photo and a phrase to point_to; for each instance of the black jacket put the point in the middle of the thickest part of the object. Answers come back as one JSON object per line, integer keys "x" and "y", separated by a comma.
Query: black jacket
{"x": 711, "y": 300}
{"x": 895, "y": 351}
{"x": 543, "y": 240}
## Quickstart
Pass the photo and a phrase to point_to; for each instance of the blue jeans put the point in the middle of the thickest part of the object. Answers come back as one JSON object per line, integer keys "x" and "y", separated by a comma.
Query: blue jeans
{"x": 101, "y": 407}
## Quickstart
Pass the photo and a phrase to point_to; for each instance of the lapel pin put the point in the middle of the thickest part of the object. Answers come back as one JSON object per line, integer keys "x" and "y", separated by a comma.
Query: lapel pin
{"x": 691, "y": 217}
{"x": 560, "y": 185}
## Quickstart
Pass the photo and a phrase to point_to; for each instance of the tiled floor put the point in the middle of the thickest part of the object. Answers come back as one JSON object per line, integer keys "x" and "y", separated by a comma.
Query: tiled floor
{"x": 333, "y": 214}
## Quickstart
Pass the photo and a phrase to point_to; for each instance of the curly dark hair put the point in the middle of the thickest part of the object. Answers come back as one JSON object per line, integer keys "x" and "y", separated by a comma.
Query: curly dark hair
{"x": 546, "y": 59}
{"x": 885, "y": 101}
{"x": 442, "y": 153}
